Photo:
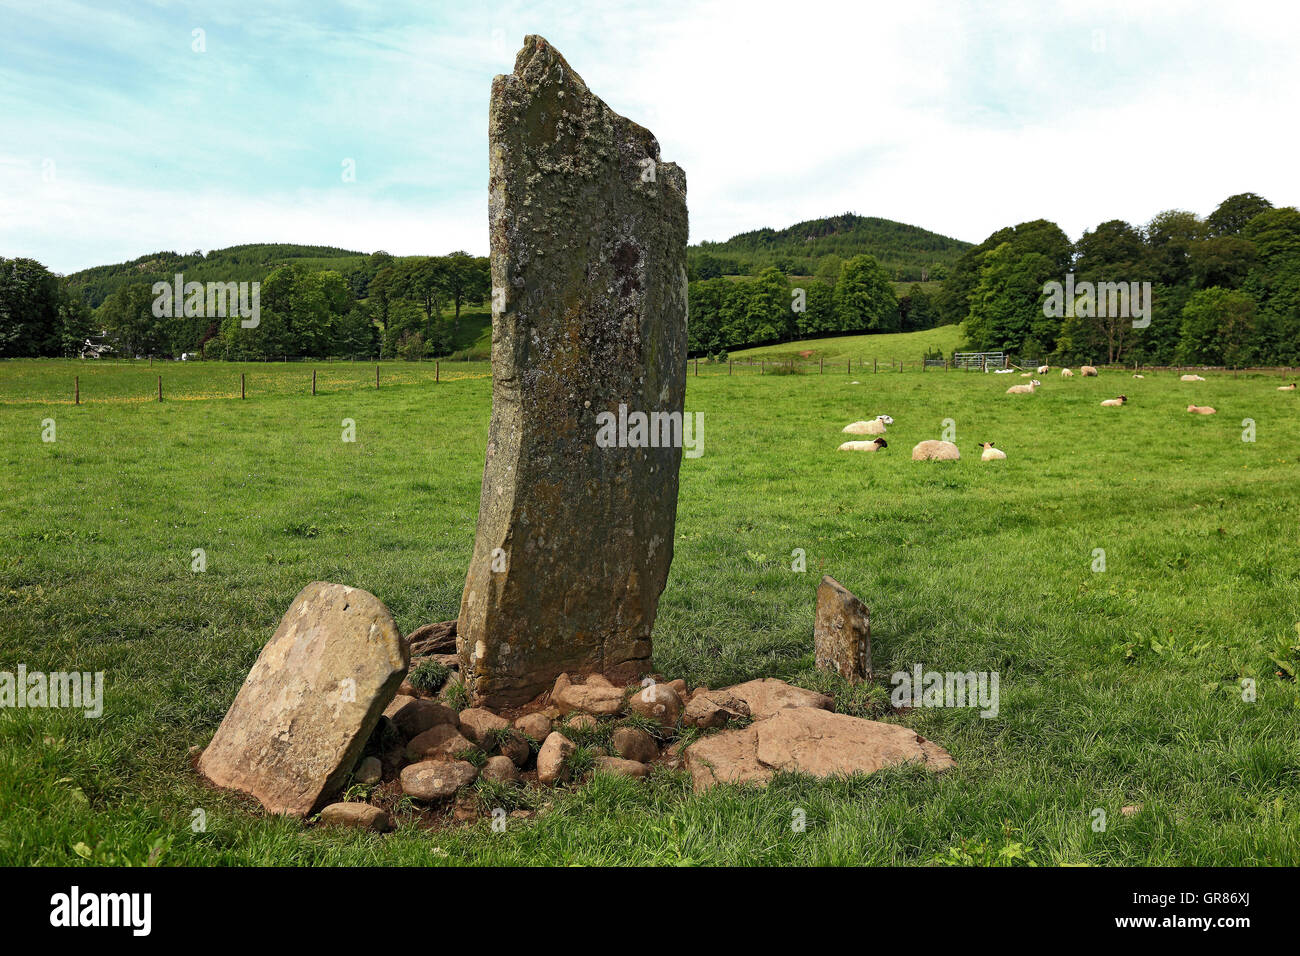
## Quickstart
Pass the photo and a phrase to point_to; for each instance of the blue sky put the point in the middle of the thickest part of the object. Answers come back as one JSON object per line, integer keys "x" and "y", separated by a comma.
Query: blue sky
{"x": 121, "y": 134}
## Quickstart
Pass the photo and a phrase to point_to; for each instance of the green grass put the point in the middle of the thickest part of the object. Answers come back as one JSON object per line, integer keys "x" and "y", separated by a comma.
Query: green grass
{"x": 1117, "y": 687}
{"x": 896, "y": 346}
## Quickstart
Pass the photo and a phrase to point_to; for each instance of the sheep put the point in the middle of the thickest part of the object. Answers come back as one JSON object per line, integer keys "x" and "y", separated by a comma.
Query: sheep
{"x": 1066, "y": 373}
{"x": 931, "y": 450}
{"x": 1200, "y": 409}
{"x": 1044, "y": 369}
{"x": 1088, "y": 371}
{"x": 991, "y": 453}
{"x": 1286, "y": 388}
{"x": 874, "y": 427}
{"x": 1136, "y": 375}
{"x": 1026, "y": 374}
{"x": 1115, "y": 402}
{"x": 1191, "y": 378}
{"x": 873, "y": 445}
{"x": 1024, "y": 389}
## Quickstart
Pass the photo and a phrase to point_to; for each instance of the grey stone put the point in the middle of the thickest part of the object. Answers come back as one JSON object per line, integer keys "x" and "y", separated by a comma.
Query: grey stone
{"x": 574, "y": 541}
{"x": 437, "y": 779}
{"x": 633, "y": 743}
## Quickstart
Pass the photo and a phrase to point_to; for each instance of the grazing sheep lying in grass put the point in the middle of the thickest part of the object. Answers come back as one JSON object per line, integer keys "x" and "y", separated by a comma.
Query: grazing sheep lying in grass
{"x": 864, "y": 445}
{"x": 1115, "y": 402}
{"x": 1044, "y": 369}
{"x": 1191, "y": 378}
{"x": 1200, "y": 409}
{"x": 991, "y": 453}
{"x": 1024, "y": 389}
{"x": 931, "y": 450}
{"x": 874, "y": 427}
{"x": 1286, "y": 388}
{"x": 1066, "y": 373}
{"x": 1026, "y": 374}
{"x": 1088, "y": 371}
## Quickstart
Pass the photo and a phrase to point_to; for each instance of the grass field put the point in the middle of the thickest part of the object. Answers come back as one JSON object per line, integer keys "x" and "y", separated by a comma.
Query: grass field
{"x": 1118, "y": 687}
{"x": 898, "y": 347}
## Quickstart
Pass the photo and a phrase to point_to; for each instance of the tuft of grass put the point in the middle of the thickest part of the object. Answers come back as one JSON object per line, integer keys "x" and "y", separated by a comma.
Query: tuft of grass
{"x": 429, "y": 676}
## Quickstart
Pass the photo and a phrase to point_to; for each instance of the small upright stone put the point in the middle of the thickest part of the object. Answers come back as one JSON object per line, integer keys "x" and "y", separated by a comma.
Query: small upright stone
{"x": 842, "y": 635}
{"x": 576, "y": 517}
{"x": 360, "y": 815}
{"x": 317, "y": 691}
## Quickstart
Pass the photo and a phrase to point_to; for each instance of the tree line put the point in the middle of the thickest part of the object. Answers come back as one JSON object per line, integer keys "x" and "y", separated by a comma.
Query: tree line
{"x": 409, "y": 307}
{"x": 852, "y": 295}
{"x": 1225, "y": 290}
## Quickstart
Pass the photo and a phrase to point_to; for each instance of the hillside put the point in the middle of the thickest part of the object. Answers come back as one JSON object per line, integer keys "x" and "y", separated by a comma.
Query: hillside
{"x": 246, "y": 263}
{"x": 886, "y": 346}
{"x": 908, "y": 253}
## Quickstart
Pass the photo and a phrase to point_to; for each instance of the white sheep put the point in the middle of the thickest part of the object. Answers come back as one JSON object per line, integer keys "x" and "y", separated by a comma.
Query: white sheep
{"x": 1066, "y": 373}
{"x": 931, "y": 450}
{"x": 873, "y": 445}
{"x": 1136, "y": 375}
{"x": 990, "y": 453}
{"x": 1026, "y": 374}
{"x": 1115, "y": 402}
{"x": 1191, "y": 378}
{"x": 1286, "y": 388}
{"x": 1088, "y": 371}
{"x": 1200, "y": 409}
{"x": 1024, "y": 389}
{"x": 874, "y": 427}
{"x": 1044, "y": 369}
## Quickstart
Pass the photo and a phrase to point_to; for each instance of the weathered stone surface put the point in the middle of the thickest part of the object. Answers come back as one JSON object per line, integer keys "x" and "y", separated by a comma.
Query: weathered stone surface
{"x": 307, "y": 707}
{"x": 361, "y": 815}
{"x": 580, "y": 721}
{"x": 516, "y": 748}
{"x": 808, "y": 740}
{"x": 370, "y": 770}
{"x": 440, "y": 740}
{"x": 624, "y": 768}
{"x": 480, "y": 725}
{"x": 536, "y": 725}
{"x": 768, "y": 695}
{"x": 633, "y": 743}
{"x": 413, "y": 716}
{"x": 596, "y": 699}
{"x": 437, "y": 638}
{"x": 551, "y": 758}
{"x": 658, "y": 702}
{"x": 500, "y": 769}
{"x": 574, "y": 540}
{"x": 709, "y": 709}
{"x": 842, "y": 633}
{"x": 437, "y": 779}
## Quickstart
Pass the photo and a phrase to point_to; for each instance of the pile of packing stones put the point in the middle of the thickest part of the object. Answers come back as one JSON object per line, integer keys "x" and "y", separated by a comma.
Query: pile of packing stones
{"x": 426, "y": 749}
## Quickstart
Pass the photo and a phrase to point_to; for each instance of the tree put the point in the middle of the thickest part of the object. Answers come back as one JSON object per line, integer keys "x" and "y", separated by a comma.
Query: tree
{"x": 465, "y": 279}
{"x": 864, "y": 298}
{"x": 34, "y": 305}
{"x": 127, "y": 316}
{"x": 1170, "y": 236}
{"x": 1217, "y": 328}
{"x": 1234, "y": 212}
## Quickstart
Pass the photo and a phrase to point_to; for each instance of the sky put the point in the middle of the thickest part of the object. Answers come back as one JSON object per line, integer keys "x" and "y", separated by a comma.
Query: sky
{"x": 133, "y": 128}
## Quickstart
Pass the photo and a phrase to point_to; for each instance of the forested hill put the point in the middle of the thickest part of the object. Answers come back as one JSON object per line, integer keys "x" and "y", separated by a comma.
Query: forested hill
{"x": 248, "y": 263}
{"x": 906, "y": 253}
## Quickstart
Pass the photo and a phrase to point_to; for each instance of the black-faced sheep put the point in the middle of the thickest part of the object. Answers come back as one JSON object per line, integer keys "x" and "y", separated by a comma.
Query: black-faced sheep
{"x": 874, "y": 445}
{"x": 990, "y": 453}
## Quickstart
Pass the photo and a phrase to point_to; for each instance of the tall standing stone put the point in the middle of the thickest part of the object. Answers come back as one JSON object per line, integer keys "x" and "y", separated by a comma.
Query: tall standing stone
{"x": 842, "y": 633}
{"x": 307, "y": 707}
{"x": 574, "y": 540}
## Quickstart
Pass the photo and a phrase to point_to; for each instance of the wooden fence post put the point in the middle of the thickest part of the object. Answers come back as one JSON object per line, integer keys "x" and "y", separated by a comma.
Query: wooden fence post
{"x": 160, "y": 388}
{"x": 76, "y": 389}
{"x": 313, "y": 381}
{"x": 376, "y": 376}
{"x": 437, "y": 372}
{"x": 243, "y": 393}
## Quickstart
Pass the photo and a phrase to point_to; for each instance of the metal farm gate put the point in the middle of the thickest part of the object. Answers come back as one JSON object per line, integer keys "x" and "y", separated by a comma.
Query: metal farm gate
{"x": 979, "y": 360}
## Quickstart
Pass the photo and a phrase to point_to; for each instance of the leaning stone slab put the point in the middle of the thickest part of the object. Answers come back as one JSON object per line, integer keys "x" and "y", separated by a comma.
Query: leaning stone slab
{"x": 575, "y": 538}
{"x": 842, "y": 633}
{"x": 310, "y": 702}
